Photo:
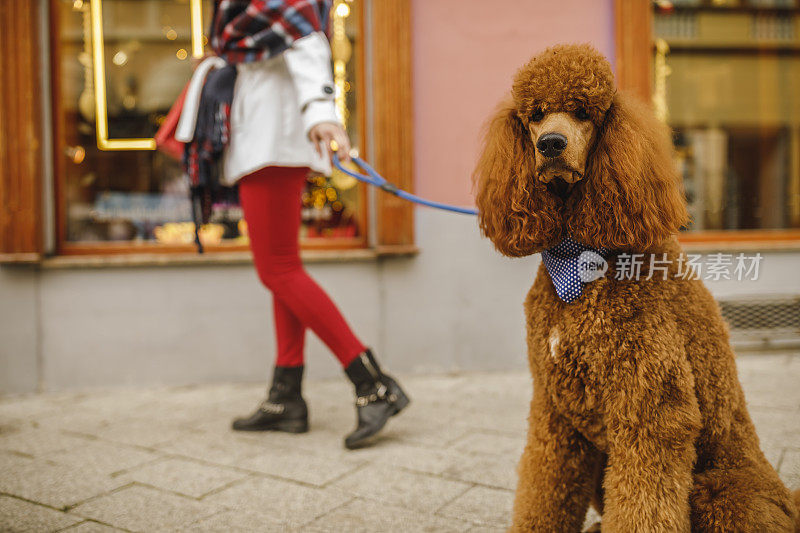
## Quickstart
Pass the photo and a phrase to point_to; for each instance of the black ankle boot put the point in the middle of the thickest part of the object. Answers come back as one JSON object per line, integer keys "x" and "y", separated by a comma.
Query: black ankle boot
{"x": 284, "y": 409}
{"x": 378, "y": 397}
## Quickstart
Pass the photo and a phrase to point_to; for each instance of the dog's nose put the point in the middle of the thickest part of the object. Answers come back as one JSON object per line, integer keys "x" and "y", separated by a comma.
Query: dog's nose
{"x": 551, "y": 144}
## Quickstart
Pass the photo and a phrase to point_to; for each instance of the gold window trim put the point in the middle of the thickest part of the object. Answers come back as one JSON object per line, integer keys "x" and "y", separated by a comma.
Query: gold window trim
{"x": 98, "y": 60}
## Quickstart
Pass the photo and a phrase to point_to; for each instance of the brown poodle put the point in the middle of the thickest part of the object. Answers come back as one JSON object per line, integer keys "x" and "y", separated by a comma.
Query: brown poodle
{"x": 636, "y": 405}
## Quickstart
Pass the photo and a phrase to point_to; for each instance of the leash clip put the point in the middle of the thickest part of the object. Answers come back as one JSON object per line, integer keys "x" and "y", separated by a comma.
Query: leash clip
{"x": 390, "y": 188}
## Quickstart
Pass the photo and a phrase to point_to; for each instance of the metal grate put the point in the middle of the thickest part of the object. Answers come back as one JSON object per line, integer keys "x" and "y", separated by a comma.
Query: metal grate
{"x": 764, "y": 320}
{"x": 676, "y": 26}
{"x": 771, "y": 27}
{"x": 762, "y": 314}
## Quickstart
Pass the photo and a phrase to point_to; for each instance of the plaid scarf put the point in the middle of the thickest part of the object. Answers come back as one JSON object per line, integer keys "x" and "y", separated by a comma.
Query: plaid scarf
{"x": 241, "y": 31}
{"x": 252, "y": 30}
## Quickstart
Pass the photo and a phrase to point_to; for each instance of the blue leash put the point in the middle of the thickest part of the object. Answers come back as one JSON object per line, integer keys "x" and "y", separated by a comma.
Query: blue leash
{"x": 373, "y": 178}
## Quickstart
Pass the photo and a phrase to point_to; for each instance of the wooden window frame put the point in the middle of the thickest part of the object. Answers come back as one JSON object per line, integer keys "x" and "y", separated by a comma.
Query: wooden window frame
{"x": 393, "y": 121}
{"x": 634, "y": 50}
{"x": 22, "y": 168}
{"x": 21, "y": 211}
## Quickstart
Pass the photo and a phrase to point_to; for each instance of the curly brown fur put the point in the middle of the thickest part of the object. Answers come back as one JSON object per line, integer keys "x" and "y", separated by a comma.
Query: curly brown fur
{"x": 637, "y": 405}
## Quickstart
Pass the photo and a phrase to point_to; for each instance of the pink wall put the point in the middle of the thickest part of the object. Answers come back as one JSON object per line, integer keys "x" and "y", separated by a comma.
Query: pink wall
{"x": 465, "y": 55}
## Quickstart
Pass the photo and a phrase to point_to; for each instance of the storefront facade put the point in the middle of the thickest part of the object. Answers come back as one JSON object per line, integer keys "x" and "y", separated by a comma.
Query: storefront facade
{"x": 101, "y": 285}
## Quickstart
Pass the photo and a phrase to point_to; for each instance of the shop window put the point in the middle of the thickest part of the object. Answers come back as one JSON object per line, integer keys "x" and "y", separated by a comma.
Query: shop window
{"x": 114, "y": 192}
{"x": 727, "y": 80}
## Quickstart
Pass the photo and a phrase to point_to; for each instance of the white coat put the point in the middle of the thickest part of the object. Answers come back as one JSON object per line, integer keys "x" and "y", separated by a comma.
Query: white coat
{"x": 276, "y": 102}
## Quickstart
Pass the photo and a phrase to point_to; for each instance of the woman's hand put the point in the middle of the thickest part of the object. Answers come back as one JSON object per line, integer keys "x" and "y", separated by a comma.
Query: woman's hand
{"x": 324, "y": 133}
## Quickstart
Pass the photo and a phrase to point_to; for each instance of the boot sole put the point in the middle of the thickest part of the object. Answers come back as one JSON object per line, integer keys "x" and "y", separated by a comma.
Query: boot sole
{"x": 286, "y": 427}
{"x": 366, "y": 441}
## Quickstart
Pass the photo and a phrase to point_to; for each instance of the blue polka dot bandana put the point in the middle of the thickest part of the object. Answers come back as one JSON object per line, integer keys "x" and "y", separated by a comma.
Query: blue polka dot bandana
{"x": 572, "y": 266}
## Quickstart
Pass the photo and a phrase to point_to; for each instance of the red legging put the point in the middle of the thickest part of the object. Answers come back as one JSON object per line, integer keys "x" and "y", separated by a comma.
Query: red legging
{"x": 270, "y": 198}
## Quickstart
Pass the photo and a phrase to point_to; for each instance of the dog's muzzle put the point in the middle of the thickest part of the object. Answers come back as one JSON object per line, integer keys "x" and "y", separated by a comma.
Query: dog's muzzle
{"x": 559, "y": 180}
{"x": 560, "y": 187}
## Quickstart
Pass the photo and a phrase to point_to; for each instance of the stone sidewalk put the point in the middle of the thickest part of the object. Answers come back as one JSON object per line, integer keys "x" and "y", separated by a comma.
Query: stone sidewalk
{"x": 165, "y": 460}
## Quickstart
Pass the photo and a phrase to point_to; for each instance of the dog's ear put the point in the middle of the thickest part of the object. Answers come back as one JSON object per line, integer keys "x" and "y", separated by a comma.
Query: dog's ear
{"x": 515, "y": 211}
{"x": 633, "y": 195}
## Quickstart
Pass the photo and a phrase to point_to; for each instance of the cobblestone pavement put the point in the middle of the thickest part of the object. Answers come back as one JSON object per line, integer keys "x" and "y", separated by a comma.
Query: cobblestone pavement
{"x": 165, "y": 460}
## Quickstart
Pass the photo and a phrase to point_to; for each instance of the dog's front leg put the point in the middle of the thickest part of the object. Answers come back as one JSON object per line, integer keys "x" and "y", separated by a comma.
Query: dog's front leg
{"x": 556, "y": 473}
{"x": 653, "y": 421}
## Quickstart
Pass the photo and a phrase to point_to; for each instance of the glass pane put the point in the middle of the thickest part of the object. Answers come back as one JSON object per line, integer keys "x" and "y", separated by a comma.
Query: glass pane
{"x": 727, "y": 77}
{"x": 141, "y": 196}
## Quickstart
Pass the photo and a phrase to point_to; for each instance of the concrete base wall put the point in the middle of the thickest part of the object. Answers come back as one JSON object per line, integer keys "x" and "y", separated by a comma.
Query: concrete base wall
{"x": 19, "y": 333}
{"x": 456, "y": 306}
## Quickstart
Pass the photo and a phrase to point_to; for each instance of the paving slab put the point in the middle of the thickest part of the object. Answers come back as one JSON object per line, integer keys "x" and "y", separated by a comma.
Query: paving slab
{"x": 140, "y": 432}
{"x": 776, "y": 428}
{"x": 499, "y": 471}
{"x": 20, "y": 516}
{"x": 84, "y": 420}
{"x": 90, "y": 526}
{"x": 363, "y": 516}
{"x": 482, "y": 505}
{"x": 235, "y": 521}
{"x": 279, "y": 501}
{"x": 488, "y": 529}
{"x": 408, "y": 456}
{"x": 102, "y": 457}
{"x": 412, "y": 490}
{"x": 319, "y": 438}
{"x": 224, "y": 448}
{"x": 29, "y": 406}
{"x": 38, "y": 442}
{"x": 790, "y": 467}
{"x": 185, "y": 477}
{"x": 138, "y": 508}
{"x": 420, "y": 427}
{"x": 53, "y": 484}
{"x": 490, "y": 443}
{"x": 313, "y": 468}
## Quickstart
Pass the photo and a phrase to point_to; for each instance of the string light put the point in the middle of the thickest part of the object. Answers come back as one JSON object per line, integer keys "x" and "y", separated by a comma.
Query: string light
{"x": 342, "y": 10}
{"x": 76, "y": 154}
{"x": 120, "y": 58}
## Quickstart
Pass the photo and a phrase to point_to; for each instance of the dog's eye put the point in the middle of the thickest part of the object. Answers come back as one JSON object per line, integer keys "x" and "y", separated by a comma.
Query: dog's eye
{"x": 537, "y": 115}
{"x": 581, "y": 113}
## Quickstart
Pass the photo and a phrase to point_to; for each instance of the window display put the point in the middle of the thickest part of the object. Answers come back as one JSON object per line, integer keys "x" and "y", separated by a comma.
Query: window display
{"x": 114, "y": 191}
{"x": 727, "y": 79}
